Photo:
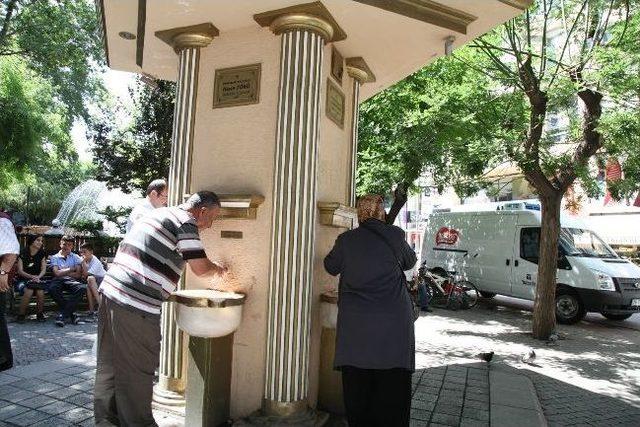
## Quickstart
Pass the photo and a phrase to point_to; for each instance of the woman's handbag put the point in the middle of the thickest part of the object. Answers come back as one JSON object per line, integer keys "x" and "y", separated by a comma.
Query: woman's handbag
{"x": 413, "y": 296}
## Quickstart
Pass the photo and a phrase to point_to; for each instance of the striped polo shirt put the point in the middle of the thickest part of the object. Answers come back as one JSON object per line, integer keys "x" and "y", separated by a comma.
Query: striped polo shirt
{"x": 151, "y": 259}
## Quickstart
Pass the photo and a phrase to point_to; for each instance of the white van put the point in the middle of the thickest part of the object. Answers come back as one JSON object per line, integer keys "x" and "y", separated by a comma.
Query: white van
{"x": 498, "y": 252}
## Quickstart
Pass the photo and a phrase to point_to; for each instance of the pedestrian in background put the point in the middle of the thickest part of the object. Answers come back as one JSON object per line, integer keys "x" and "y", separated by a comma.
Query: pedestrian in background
{"x": 157, "y": 197}
{"x": 9, "y": 250}
{"x": 375, "y": 344}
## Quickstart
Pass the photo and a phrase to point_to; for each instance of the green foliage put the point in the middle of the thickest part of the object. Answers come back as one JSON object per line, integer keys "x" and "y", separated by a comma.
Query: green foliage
{"x": 440, "y": 120}
{"x": 117, "y": 216}
{"x": 61, "y": 43}
{"x": 23, "y": 119}
{"x": 86, "y": 226}
{"x": 131, "y": 157}
{"x": 40, "y": 193}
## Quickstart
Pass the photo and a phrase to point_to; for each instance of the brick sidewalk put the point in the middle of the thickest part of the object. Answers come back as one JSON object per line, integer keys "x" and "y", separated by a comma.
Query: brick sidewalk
{"x": 36, "y": 342}
{"x": 454, "y": 395}
{"x": 55, "y": 393}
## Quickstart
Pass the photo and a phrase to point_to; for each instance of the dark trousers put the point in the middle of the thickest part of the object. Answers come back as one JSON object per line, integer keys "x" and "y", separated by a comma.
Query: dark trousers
{"x": 6, "y": 356}
{"x": 128, "y": 355}
{"x": 75, "y": 290}
{"x": 377, "y": 397}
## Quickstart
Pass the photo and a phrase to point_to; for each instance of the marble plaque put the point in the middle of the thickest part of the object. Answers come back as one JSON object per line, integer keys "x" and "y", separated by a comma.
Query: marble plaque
{"x": 335, "y": 104}
{"x": 237, "y": 86}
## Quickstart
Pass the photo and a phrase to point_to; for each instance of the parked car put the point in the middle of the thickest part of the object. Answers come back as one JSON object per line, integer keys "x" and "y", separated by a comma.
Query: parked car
{"x": 498, "y": 252}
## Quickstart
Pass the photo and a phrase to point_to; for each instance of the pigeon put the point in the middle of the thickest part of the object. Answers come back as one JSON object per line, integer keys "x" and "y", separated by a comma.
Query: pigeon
{"x": 529, "y": 357}
{"x": 485, "y": 356}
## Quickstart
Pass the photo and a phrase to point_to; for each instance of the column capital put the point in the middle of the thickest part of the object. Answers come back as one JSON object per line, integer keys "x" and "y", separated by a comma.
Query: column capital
{"x": 200, "y": 35}
{"x": 309, "y": 16}
{"x": 359, "y": 70}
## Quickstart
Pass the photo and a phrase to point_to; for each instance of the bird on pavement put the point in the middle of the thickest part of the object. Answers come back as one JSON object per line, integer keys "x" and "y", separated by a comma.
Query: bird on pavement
{"x": 529, "y": 357}
{"x": 485, "y": 356}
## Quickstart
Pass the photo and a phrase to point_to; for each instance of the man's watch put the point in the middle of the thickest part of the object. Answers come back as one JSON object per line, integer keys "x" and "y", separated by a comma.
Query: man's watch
{"x": 3, "y": 273}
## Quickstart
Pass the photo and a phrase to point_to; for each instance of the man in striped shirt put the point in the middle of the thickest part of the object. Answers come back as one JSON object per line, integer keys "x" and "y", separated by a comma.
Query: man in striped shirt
{"x": 145, "y": 271}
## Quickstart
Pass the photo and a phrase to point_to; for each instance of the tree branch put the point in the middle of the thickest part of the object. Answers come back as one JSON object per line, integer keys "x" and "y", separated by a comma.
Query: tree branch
{"x": 7, "y": 20}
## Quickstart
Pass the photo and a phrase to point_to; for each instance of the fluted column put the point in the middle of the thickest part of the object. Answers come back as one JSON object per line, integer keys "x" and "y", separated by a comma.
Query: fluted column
{"x": 187, "y": 43}
{"x": 360, "y": 74}
{"x": 303, "y": 37}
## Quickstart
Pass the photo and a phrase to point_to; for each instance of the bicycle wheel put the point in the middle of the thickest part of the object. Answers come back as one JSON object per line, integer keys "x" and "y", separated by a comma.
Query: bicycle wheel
{"x": 470, "y": 293}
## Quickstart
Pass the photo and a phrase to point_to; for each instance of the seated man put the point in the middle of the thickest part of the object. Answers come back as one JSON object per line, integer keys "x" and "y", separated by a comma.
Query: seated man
{"x": 67, "y": 272}
{"x": 93, "y": 272}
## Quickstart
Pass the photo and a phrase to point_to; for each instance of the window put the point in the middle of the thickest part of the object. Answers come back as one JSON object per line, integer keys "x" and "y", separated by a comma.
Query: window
{"x": 530, "y": 247}
{"x": 530, "y": 244}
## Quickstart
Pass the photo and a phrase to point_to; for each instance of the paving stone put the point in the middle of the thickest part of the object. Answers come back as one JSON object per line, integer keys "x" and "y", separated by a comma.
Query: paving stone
{"x": 476, "y": 414}
{"x": 11, "y": 410}
{"x": 423, "y": 405}
{"x": 445, "y": 419}
{"x": 453, "y": 386}
{"x": 20, "y": 396}
{"x": 475, "y": 404}
{"x": 28, "y": 418}
{"x": 76, "y": 415}
{"x": 68, "y": 380}
{"x": 54, "y": 422}
{"x": 419, "y": 414}
{"x": 38, "y": 401}
{"x": 79, "y": 399}
{"x": 468, "y": 422}
{"x": 426, "y": 397}
{"x": 57, "y": 407}
{"x": 63, "y": 393}
{"x": 417, "y": 423}
{"x": 85, "y": 385}
{"x": 477, "y": 397}
{"x": 448, "y": 409}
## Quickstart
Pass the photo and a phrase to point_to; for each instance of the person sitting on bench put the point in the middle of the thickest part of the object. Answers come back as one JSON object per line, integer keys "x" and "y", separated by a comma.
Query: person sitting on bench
{"x": 32, "y": 266}
{"x": 67, "y": 272}
{"x": 93, "y": 272}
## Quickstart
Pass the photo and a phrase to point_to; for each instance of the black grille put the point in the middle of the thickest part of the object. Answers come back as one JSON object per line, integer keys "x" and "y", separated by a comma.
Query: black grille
{"x": 627, "y": 284}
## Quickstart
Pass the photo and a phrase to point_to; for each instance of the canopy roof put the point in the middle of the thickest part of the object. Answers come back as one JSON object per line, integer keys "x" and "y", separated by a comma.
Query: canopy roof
{"x": 395, "y": 37}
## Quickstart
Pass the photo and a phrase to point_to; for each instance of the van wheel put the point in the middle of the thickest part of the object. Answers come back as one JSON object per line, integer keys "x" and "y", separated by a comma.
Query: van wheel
{"x": 487, "y": 295}
{"x": 569, "y": 307}
{"x": 612, "y": 316}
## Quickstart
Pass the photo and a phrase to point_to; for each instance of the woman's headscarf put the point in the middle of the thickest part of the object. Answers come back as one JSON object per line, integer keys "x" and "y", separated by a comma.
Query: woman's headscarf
{"x": 371, "y": 206}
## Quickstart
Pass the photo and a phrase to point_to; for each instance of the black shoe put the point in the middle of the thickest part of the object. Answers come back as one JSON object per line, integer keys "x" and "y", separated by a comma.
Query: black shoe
{"x": 75, "y": 320}
{"x": 427, "y": 309}
{"x": 20, "y": 318}
{"x": 60, "y": 321}
{"x": 41, "y": 318}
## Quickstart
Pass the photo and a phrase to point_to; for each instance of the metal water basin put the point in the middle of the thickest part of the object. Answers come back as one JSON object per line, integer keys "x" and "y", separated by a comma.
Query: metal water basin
{"x": 207, "y": 313}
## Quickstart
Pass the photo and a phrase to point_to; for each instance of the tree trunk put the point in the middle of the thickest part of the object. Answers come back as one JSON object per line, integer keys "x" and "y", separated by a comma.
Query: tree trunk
{"x": 399, "y": 199}
{"x": 544, "y": 314}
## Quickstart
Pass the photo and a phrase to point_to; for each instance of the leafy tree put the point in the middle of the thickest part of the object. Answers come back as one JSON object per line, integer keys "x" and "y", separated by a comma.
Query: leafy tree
{"x": 577, "y": 59}
{"x": 568, "y": 74}
{"x": 439, "y": 121}
{"x": 131, "y": 157}
{"x": 39, "y": 164}
{"x": 60, "y": 41}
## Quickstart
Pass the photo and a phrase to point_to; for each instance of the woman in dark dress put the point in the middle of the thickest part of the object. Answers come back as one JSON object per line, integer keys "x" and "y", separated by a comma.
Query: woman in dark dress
{"x": 375, "y": 344}
{"x": 32, "y": 266}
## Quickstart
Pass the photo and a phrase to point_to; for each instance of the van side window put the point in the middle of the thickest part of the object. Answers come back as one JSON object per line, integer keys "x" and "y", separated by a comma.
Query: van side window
{"x": 530, "y": 244}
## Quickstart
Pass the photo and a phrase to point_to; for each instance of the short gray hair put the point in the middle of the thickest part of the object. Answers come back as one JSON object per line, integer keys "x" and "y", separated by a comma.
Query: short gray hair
{"x": 202, "y": 199}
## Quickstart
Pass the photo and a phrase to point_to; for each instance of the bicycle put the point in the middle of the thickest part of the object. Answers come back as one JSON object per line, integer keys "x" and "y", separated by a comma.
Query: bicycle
{"x": 446, "y": 291}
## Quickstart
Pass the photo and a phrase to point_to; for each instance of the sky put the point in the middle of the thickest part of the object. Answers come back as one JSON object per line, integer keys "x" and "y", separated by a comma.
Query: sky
{"x": 117, "y": 83}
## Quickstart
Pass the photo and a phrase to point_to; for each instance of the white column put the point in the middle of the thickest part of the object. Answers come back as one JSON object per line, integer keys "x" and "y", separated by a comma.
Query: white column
{"x": 294, "y": 213}
{"x": 360, "y": 74}
{"x": 187, "y": 44}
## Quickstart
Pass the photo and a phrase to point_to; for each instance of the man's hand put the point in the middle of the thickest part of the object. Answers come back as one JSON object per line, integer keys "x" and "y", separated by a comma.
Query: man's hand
{"x": 4, "y": 283}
